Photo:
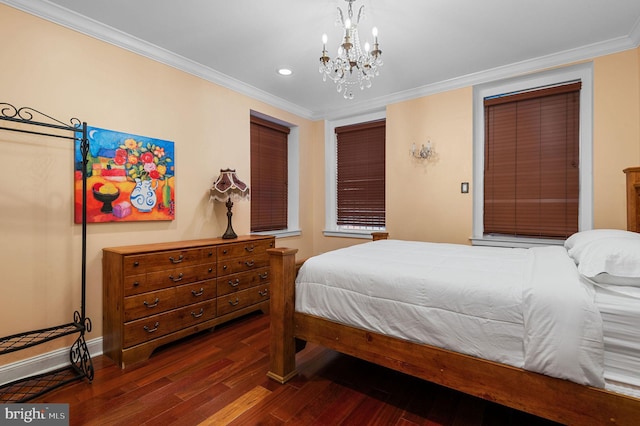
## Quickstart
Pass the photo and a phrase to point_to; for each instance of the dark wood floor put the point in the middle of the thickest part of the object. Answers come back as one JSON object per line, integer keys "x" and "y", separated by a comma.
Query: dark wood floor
{"x": 219, "y": 378}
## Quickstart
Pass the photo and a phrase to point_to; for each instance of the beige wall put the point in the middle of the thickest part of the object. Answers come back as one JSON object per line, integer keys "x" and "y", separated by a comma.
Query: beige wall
{"x": 616, "y": 133}
{"x": 67, "y": 74}
{"x": 424, "y": 201}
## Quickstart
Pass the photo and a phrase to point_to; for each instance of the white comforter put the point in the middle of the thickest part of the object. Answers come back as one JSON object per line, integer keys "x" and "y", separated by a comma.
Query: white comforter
{"x": 522, "y": 307}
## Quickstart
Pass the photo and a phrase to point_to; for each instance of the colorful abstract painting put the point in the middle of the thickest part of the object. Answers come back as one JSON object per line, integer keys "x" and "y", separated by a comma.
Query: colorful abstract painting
{"x": 129, "y": 178}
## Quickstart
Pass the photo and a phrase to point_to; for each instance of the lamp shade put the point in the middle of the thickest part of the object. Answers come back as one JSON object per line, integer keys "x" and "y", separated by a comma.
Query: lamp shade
{"x": 229, "y": 186}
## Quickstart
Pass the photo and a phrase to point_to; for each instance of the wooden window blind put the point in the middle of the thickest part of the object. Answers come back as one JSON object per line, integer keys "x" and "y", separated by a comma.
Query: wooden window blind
{"x": 531, "y": 170}
{"x": 269, "y": 172}
{"x": 361, "y": 174}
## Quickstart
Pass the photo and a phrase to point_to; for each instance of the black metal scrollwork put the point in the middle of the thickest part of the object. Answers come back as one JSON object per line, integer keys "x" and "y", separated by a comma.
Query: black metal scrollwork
{"x": 84, "y": 323}
{"x": 14, "y": 113}
{"x": 81, "y": 359}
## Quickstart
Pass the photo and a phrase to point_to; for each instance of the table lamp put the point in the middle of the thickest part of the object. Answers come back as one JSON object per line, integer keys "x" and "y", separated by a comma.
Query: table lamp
{"x": 227, "y": 187}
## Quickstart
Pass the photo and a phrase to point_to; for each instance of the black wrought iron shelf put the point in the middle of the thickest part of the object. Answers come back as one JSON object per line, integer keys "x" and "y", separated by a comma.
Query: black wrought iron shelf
{"x": 31, "y": 121}
{"x": 35, "y": 337}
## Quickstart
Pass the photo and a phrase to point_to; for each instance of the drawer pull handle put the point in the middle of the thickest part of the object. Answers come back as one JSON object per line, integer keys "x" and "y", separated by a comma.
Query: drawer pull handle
{"x": 210, "y": 254}
{"x": 234, "y": 302}
{"x": 136, "y": 283}
{"x": 151, "y": 305}
{"x": 224, "y": 266}
{"x": 198, "y": 293}
{"x": 234, "y": 283}
{"x": 176, "y": 279}
{"x": 210, "y": 270}
{"x": 151, "y": 330}
{"x": 264, "y": 292}
{"x": 199, "y": 314}
{"x": 250, "y": 263}
{"x": 136, "y": 264}
{"x": 249, "y": 248}
{"x": 225, "y": 251}
{"x": 263, "y": 276}
{"x": 178, "y": 260}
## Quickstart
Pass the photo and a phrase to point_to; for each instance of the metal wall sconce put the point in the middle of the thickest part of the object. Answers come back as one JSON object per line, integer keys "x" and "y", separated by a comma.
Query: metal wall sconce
{"x": 424, "y": 153}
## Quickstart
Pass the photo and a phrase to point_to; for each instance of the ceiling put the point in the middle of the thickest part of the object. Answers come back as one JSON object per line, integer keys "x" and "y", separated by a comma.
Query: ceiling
{"x": 428, "y": 45}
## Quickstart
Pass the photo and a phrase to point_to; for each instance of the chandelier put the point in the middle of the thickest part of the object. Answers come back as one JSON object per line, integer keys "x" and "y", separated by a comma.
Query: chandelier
{"x": 351, "y": 66}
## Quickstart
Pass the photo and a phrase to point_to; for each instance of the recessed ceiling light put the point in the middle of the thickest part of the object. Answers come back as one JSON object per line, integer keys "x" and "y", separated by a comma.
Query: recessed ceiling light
{"x": 285, "y": 71}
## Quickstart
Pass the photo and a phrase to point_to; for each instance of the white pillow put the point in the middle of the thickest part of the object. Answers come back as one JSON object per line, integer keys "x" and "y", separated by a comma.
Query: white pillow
{"x": 585, "y": 237}
{"x": 613, "y": 280}
{"x": 618, "y": 258}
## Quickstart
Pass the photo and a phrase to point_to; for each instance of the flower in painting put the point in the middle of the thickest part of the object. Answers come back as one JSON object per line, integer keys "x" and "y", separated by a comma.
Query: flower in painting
{"x": 143, "y": 161}
{"x": 120, "y": 157}
{"x": 147, "y": 158}
{"x": 130, "y": 144}
{"x": 149, "y": 166}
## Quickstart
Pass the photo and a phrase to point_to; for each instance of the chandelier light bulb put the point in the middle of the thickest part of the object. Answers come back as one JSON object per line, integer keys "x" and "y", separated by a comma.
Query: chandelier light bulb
{"x": 374, "y": 31}
{"x": 347, "y": 24}
{"x": 324, "y": 40}
{"x": 367, "y": 47}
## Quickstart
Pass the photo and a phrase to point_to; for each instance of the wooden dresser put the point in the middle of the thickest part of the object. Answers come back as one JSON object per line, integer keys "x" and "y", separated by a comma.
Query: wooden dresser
{"x": 154, "y": 294}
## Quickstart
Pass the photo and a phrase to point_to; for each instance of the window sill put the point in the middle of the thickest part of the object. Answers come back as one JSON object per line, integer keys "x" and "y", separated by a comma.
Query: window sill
{"x": 514, "y": 242}
{"x": 364, "y": 234}
{"x": 281, "y": 233}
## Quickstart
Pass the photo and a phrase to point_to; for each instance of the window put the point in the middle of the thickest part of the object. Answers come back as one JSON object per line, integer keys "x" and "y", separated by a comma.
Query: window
{"x": 582, "y": 73}
{"x": 361, "y": 175}
{"x": 531, "y": 162}
{"x": 269, "y": 176}
{"x": 332, "y": 229}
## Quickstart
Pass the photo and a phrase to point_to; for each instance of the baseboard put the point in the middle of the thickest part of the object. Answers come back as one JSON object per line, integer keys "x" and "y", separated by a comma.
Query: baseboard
{"x": 44, "y": 362}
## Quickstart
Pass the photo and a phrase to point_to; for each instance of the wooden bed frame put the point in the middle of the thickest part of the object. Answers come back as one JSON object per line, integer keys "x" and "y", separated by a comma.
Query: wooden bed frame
{"x": 555, "y": 399}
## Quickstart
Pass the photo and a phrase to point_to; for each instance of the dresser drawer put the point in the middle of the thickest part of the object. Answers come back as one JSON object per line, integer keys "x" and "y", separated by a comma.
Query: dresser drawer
{"x": 196, "y": 292}
{"x": 145, "y": 304}
{"x": 242, "y": 264}
{"x": 242, "y": 281}
{"x": 179, "y": 276}
{"x": 248, "y": 248}
{"x": 138, "y": 264}
{"x": 242, "y": 299}
{"x": 135, "y": 284}
{"x": 148, "y": 328}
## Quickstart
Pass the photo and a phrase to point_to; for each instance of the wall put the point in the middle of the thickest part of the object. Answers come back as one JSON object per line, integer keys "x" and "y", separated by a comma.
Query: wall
{"x": 424, "y": 201}
{"x": 423, "y": 197}
{"x": 616, "y": 129}
{"x": 65, "y": 74}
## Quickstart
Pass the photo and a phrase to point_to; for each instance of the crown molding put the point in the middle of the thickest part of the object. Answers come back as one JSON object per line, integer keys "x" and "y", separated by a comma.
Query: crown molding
{"x": 62, "y": 16}
{"x": 567, "y": 57}
{"x": 82, "y": 24}
{"x": 634, "y": 34}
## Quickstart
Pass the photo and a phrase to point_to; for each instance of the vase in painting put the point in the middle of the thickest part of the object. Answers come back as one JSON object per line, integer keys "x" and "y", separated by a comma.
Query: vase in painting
{"x": 143, "y": 197}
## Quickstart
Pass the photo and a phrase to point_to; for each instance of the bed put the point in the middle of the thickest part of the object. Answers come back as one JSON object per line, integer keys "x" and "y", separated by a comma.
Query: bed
{"x": 574, "y": 364}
